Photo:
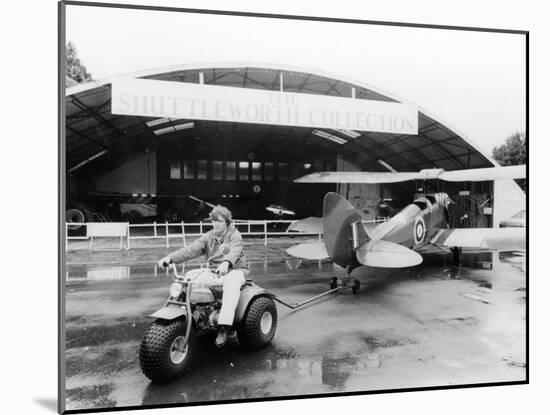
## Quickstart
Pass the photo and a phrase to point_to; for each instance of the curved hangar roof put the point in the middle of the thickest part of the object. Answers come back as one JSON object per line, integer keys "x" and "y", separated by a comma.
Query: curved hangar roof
{"x": 97, "y": 141}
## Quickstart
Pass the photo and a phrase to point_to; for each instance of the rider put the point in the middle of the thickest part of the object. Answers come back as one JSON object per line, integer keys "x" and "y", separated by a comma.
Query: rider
{"x": 223, "y": 248}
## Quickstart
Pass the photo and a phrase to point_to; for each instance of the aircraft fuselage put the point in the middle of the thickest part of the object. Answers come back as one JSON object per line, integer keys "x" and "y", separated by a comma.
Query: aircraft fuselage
{"x": 416, "y": 224}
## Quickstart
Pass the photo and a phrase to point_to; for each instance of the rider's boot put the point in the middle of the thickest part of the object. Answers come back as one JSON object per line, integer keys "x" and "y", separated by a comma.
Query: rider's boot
{"x": 221, "y": 338}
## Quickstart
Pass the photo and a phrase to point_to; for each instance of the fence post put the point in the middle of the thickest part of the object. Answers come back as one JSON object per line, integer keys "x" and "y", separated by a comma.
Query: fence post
{"x": 265, "y": 233}
{"x": 66, "y": 237}
{"x": 128, "y": 236}
{"x": 183, "y": 232}
{"x": 200, "y": 227}
{"x": 167, "y": 237}
{"x": 249, "y": 226}
{"x": 155, "y": 228}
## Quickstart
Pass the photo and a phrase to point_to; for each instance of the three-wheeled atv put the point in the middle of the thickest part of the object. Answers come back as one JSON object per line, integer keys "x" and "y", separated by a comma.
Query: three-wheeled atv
{"x": 170, "y": 344}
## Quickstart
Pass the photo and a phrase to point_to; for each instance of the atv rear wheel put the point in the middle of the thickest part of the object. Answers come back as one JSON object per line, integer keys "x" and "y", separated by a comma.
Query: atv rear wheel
{"x": 162, "y": 357}
{"x": 257, "y": 328}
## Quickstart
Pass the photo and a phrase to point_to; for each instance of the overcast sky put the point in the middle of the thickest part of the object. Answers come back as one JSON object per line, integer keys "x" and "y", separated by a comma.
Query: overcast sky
{"x": 472, "y": 81}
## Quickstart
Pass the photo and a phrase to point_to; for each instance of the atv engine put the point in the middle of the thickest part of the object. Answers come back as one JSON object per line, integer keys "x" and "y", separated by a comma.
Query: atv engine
{"x": 206, "y": 316}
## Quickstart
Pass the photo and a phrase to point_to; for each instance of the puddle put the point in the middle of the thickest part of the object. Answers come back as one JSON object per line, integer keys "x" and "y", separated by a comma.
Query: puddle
{"x": 95, "y": 273}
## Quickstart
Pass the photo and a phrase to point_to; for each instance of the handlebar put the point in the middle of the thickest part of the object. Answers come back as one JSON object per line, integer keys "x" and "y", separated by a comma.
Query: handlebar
{"x": 181, "y": 278}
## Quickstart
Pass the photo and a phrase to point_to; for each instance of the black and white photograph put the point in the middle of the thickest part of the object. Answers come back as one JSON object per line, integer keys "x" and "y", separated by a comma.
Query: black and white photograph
{"x": 259, "y": 207}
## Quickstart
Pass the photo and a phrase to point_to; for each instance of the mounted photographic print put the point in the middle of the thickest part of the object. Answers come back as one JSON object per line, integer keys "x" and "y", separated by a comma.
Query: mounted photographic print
{"x": 258, "y": 207}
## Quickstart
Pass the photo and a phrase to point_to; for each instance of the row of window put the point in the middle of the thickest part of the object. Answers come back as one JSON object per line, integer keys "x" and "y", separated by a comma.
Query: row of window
{"x": 240, "y": 170}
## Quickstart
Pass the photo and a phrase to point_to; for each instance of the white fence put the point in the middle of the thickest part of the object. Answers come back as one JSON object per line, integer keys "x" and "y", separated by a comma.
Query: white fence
{"x": 168, "y": 231}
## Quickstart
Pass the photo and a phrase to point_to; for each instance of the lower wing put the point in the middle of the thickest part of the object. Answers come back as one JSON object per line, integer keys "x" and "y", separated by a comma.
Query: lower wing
{"x": 497, "y": 239}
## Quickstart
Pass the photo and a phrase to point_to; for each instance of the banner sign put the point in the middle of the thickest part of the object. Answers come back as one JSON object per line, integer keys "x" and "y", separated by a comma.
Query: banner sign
{"x": 152, "y": 98}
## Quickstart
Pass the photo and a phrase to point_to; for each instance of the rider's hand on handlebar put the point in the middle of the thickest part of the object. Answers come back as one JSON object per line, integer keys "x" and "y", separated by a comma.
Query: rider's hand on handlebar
{"x": 222, "y": 268}
{"x": 164, "y": 262}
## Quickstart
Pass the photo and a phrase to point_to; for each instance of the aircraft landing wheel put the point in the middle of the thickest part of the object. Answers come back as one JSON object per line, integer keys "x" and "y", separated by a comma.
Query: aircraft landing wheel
{"x": 333, "y": 283}
{"x": 355, "y": 286}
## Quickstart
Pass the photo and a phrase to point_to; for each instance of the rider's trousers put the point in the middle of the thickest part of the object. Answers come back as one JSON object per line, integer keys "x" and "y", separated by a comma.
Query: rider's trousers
{"x": 231, "y": 283}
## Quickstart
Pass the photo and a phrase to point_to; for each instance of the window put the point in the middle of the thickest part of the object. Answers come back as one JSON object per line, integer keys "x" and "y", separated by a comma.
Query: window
{"x": 201, "y": 170}
{"x": 243, "y": 170}
{"x": 217, "y": 170}
{"x": 256, "y": 171}
{"x": 268, "y": 172}
{"x": 175, "y": 170}
{"x": 188, "y": 169}
{"x": 230, "y": 170}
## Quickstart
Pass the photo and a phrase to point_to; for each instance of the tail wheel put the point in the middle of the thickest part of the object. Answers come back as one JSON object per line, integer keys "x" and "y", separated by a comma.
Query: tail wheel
{"x": 258, "y": 326}
{"x": 333, "y": 283}
{"x": 355, "y": 286}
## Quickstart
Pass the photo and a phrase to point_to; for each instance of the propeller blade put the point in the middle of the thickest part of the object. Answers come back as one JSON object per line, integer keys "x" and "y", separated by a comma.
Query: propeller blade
{"x": 309, "y": 250}
{"x": 384, "y": 254}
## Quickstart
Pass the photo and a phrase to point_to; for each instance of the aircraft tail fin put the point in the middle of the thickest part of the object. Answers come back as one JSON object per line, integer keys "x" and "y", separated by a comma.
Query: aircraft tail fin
{"x": 343, "y": 229}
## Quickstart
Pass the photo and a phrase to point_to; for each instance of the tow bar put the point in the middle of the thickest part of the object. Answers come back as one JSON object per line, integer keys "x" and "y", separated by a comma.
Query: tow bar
{"x": 354, "y": 285}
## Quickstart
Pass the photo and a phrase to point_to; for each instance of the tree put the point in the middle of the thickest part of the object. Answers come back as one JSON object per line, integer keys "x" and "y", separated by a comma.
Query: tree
{"x": 75, "y": 70}
{"x": 513, "y": 152}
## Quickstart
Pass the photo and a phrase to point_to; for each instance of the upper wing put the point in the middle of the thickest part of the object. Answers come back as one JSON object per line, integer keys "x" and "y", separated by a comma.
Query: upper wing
{"x": 490, "y": 173}
{"x": 498, "y": 239}
{"x": 356, "y": 177}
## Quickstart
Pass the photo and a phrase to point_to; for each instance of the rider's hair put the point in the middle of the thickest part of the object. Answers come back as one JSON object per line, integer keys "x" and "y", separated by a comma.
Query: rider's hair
{"x": 220, "y": 211}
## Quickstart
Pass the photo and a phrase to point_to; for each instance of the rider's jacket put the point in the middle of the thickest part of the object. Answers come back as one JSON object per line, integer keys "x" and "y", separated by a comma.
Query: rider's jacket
{"x": 228, "y": 247}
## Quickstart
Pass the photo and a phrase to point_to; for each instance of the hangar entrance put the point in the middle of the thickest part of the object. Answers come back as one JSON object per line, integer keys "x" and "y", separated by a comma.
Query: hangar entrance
{"x": 143, "y": 168}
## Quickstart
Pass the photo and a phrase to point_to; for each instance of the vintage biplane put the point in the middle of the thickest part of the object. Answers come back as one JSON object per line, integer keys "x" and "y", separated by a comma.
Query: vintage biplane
{"x": 394, "y": 244}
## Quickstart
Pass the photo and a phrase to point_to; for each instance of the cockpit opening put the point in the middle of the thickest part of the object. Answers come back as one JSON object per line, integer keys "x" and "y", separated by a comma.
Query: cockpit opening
{"x": 422, "y": 205}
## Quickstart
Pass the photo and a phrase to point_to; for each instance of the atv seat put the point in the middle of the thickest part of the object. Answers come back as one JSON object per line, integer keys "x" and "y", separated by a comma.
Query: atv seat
{"x": 218, "y": 290}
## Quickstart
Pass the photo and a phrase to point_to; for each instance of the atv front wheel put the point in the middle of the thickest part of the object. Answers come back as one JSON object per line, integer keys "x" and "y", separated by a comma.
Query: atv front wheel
{"x": 257, "y": 328}
{"x": 162, "y": 357}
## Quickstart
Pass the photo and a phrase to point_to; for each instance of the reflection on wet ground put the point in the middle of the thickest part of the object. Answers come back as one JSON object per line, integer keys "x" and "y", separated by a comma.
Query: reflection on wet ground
{"x": 431, "y": 325}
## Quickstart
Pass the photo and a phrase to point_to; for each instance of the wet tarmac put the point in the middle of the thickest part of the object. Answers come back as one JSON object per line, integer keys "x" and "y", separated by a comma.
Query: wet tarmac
{"x": 432, "y": 325}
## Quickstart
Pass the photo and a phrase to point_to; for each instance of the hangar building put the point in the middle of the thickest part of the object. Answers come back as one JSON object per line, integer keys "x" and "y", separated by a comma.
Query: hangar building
{"x": 136, "y": 168}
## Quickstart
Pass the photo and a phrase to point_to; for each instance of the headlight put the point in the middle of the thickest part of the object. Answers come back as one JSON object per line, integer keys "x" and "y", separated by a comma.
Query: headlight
{"x": 176, "y": 289}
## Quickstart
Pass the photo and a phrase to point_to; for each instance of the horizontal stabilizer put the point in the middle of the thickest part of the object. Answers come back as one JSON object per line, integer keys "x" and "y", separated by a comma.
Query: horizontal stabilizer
{"x": 384, "y": 254}
{"x": 473, "y": 175}
{"x": 307, "y": 225}
{"x": 309, "y": 250}
{"x": 498, "y": 239}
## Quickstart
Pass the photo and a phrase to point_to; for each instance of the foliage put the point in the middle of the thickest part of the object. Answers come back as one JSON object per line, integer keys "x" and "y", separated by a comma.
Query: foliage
{"x": 75, "y": 70}
{"x": 513, "y": 152}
